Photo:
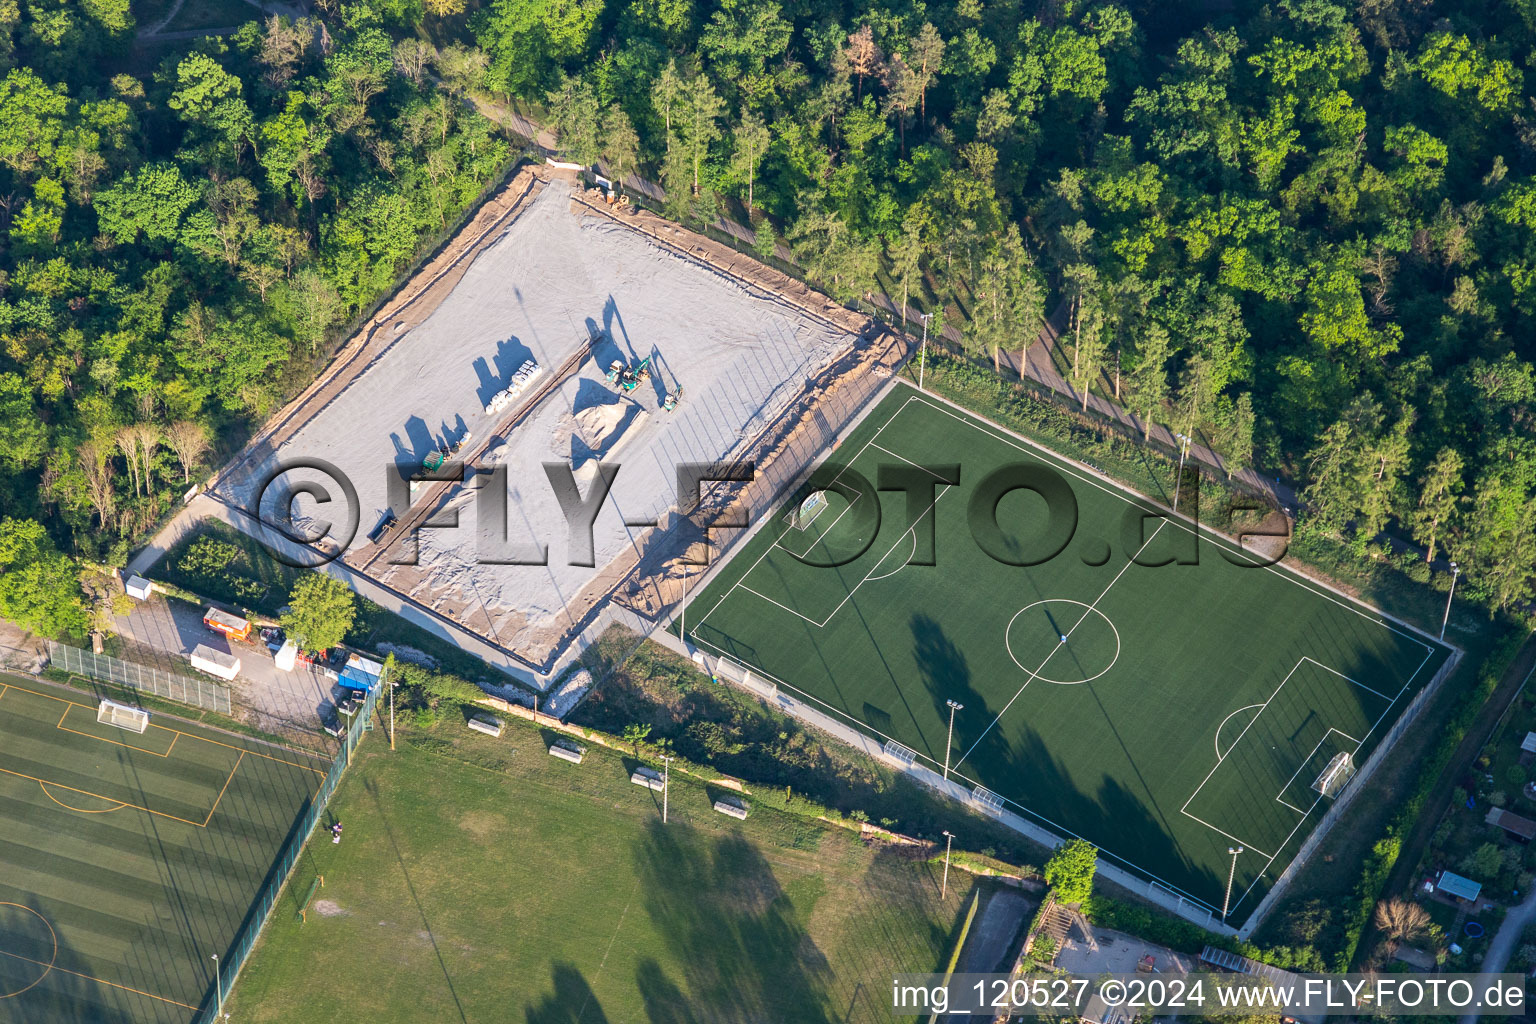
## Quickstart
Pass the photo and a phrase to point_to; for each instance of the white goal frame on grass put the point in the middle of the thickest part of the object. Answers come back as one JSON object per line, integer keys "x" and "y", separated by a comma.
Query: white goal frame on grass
{"x": 805, "y": 513}
{"x": 123, "y": 716}
{"x": 1096, "y": 480}
{"x": 1336, "y": 776}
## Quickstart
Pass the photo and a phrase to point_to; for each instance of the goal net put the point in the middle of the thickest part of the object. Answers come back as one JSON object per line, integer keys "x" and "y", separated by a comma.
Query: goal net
{"x": 1336, "y": 776}
{"x": 802, "y": 515}
{"x": 124, "y": 716}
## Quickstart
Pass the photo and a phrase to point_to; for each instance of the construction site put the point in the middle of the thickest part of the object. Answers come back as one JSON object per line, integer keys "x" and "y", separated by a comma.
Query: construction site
{"x": 557, "y": 331}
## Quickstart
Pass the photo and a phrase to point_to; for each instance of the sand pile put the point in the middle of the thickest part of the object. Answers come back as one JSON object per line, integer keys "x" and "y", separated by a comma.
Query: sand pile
{"x": 596, "y": 432}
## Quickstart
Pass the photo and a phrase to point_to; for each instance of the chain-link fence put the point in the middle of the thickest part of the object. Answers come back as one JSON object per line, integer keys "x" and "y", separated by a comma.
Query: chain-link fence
{"x": 266, "y": 900}
{"x": 186, "y": 689}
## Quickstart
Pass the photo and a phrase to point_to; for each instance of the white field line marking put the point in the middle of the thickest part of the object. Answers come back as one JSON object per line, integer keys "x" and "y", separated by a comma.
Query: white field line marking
{"x": 1245, "y": 844}
{"x": 1089, "y": 611}
{"x": 912, "y": 531}
{"x": 769, "y": 549}
{"x": 1357, "y": 682}
{"x": 786, "y": 607}
{"x": 1040, "y": 451}
{"x": 1216, "y": 741}
{"x": 1045, "y": 454}
{"x": 914, "y": 465}
{"x": 1279, "y": 797}
{"x": 817, "y": 539}
{"x": 838, "y": 715}
{"x": 1259, "y": 877}
{"x": 1235, "y": 742}
{"x": 905, "y": 562}
{"x": 1380, "y": 718}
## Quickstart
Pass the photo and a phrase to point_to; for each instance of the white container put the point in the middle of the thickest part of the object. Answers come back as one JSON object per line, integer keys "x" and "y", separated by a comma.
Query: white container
{"x": 215, "y": 663}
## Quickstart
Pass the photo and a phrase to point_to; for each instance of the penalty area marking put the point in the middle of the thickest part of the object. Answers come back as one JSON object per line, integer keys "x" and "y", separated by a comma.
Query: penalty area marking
{"x": 1221, "y": 754}
{"x": 119, "y": 805}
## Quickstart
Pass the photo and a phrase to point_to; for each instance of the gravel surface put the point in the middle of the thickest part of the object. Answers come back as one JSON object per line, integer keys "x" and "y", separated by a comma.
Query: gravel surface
{"x": 553, "y": 279}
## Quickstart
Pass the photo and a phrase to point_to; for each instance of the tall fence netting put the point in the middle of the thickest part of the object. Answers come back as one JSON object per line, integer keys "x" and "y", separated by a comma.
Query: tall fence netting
{"x": 202, "y": 693}
{"x": 266, "y": 900}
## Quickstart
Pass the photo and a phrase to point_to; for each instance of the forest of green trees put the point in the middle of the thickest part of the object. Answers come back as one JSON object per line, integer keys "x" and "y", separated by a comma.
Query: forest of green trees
{"x": 1305, "y": 229}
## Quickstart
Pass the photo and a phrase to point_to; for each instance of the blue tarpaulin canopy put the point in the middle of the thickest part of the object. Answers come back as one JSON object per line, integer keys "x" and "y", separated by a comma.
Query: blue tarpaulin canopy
{"x": 360, "y": 674}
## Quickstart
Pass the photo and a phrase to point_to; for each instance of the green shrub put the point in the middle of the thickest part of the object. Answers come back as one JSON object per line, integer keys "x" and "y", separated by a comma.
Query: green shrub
{"x": 208, "y": 558}
{"x": 1070, "y": 870}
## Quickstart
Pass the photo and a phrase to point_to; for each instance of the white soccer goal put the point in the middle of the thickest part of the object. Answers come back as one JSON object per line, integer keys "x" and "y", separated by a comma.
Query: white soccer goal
{"x": 806, "y": 512}
{"x": 124, "y": 716}
{"x": 1336, "y": 776}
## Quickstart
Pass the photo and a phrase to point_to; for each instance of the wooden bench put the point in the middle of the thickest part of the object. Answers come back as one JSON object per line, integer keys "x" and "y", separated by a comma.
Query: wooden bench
{"x": 732, "y": 809}
{"x": 488, "y": 724}
{"x": 564, "y": 753}
{"x": 650, "y": 778}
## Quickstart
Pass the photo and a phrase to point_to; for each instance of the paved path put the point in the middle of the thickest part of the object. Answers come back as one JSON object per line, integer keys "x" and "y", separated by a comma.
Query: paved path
{"x": 1118, "y": 953}
{"x": 156, "y": 33}
{"x": 295, "y": 699}
{"x": 991, "y": 946}
{"x": 1503, "y": 945}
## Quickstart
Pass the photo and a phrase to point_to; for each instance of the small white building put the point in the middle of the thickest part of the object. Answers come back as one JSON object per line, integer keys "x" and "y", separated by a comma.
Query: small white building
{"x": 138, "y": 588}
{"x": 287, "y": 656}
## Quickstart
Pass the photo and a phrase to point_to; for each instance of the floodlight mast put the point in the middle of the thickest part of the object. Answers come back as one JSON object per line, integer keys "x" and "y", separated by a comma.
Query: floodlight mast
{"x": 949, "y": 839}
{"x": 1455, "y": 574}
{"x": 950, "y": 742}
{"x": 666, "y": 785}
{"x": 1226, "y": 900}
{"x": 922, "y": 352}
{"x": 1178, "y": 480}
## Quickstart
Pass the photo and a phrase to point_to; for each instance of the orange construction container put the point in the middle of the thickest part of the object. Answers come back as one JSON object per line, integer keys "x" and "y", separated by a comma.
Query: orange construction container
{"x": 231, "y": 625}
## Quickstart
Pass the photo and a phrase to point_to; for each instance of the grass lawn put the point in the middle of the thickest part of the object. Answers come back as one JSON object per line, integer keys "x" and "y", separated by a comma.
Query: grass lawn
{"x": 482, "y": 879}
{"x": 128, "y": 857}
{"x": 1190, "y": 707}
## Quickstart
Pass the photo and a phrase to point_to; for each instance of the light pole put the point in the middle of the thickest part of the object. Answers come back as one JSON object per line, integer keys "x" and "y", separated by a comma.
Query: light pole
{"x": 1455, "y": 572}
{"x": 666, "y": 785}
{"x": 922, "y": 352}
{"x": 949, "y": 743}
{"x": 1234, "y": 851}
{"x": 682, "y": 607}
{"x": 1178, "y": 480}
{"x": 949, "y": 839}
{"x": 218, "y": 983}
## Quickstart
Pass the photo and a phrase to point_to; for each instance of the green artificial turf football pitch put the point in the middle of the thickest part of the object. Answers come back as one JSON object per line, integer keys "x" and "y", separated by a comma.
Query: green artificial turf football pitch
{"x": 1167, "y": 707}
{"x": 130, "y": 859}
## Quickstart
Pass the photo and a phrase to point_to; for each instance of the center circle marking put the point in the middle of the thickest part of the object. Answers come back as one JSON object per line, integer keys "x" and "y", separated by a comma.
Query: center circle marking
{"x": 1033, "y": 673}
{"x": 52, "y": 938}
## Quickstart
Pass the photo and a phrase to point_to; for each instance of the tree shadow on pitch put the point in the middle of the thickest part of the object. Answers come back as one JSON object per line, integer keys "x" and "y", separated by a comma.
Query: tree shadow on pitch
{"x": 742, "y": 951}
{"x": 947, "y": 675}
{"x": 572, "y": 1001}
